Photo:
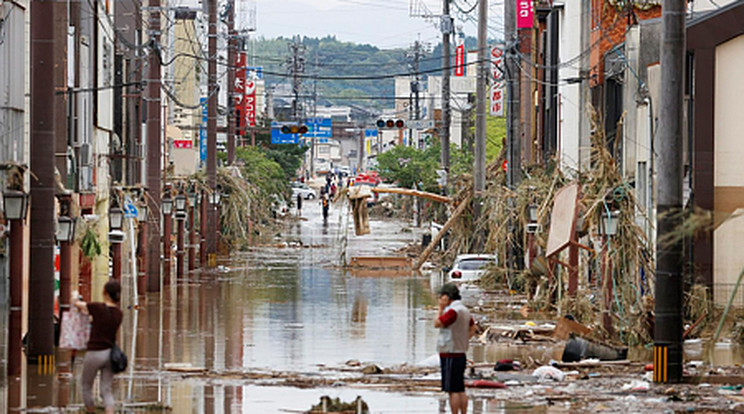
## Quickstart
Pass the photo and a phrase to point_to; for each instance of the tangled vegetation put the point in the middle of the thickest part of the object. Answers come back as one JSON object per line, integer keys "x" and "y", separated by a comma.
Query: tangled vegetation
{"x": 620, "y": 264}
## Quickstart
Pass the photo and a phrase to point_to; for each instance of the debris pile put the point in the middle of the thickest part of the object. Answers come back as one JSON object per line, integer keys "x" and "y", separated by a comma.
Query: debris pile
{"x": 335, "y": 405}
{"x": 615, "y": 266}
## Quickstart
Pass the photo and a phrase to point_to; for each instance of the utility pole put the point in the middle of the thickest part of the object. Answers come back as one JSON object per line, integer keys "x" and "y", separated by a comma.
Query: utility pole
{"x": 513, "y": 146}
{"x": 296, "y": 65}
{"x": 479, "y": 173}
{"x": 41, "y": 278}
{"x": 444, "y": 133}
{"x": 413, "y": 98}
{"x": 231, "y": 46}
{"x": 315, "y": 114}
{"x": 212, "y": 129}
{"x": 153, "y": 150}
{"x": 416, "y": 54}
{"x": 668, "y": 292}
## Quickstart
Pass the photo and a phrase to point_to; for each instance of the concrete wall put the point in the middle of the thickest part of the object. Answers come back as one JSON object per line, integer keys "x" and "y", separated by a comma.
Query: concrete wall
{"x": 728, "y": 169}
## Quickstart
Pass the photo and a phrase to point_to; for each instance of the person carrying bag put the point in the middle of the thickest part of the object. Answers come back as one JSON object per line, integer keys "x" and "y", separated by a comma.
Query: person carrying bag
{"x": 102, "y": 353}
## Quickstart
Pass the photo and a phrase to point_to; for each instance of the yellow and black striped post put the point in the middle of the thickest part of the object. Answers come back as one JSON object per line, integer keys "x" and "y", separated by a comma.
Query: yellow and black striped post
{"x": 661, "y": 361}
{"x": 45, "y": 365}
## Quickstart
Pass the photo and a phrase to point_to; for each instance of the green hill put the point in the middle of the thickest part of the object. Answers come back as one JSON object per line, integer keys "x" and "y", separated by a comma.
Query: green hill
{"x": 328, "y": 57}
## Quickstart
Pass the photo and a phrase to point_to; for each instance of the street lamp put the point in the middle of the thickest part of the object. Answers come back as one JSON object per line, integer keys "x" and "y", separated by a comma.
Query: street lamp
{"x": 142, "y": 213}
{"x": 215, "y": 198}
{"x": 116, "y": 218}
{"x": 532, "y": 212}
{"x": 180, "y": 207}
{"x": 167, "y": 205}
{"x": 15, "y": 204}
{"x": 610, "y": 222}
{"x": 65, "y": 229}
{"x": 192, "y": 197}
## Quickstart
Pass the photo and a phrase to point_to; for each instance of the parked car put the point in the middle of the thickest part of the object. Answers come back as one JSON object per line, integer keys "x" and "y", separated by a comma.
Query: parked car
{"x": 470, "y": 267}
{"x": 303, "y": 190}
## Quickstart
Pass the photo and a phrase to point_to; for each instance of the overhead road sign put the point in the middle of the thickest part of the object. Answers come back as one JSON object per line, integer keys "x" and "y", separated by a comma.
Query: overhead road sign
{"x": 421, "y": 124}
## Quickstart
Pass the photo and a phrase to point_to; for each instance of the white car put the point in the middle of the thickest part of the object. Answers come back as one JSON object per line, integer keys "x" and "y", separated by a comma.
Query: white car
{"x": 469, "y": 267}
{"x": 303, "y": 190}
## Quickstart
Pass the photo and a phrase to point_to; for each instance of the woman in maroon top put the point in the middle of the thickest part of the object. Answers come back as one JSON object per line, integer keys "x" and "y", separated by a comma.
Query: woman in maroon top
{"x": 106, "y": 320}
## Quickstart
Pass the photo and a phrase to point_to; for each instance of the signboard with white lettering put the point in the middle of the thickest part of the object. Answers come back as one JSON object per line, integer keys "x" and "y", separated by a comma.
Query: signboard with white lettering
{"x": 460, "y": 60}
{"x": 421, "y": 124}
{"x": 319, "y": 128}
{"x": 525, "y": 11}
{"x": 254, "y": 72}
{"x": 496, "y": 92}
{"x": 278, "y": 137}
{"x": 239, "y": 92}
{"x": 249, "y": 102}
{"x": 203, "y": 131}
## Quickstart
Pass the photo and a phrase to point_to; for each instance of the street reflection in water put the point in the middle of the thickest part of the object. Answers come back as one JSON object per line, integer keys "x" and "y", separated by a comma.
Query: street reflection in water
{"x": 286, "y": 307}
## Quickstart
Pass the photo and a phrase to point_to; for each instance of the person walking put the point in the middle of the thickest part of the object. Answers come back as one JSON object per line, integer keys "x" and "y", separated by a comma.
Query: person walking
{"x": 299, "y": 204}
{"x": 106, "y": 321}
{"x": 456, "y": 326}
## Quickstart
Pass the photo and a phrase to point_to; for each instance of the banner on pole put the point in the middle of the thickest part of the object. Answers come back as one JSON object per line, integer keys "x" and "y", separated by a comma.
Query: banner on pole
{"x": 239, "y": 92}
{"x": 460, "y": 60}
{"x": 525, "y": 10}
{"x": 203, "y": 132}
{"x": 496, "y": 92}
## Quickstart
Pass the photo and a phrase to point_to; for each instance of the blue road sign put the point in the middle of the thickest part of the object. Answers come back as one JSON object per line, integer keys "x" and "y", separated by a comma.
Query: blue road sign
{"x": 319, "y": 128}
{"x": 370, "y": 133}
{"x": 278, "y": 137}
{"x": 130, "y": 210}
{"x": 203, "y": 131}
{"x": 254, "y": 72}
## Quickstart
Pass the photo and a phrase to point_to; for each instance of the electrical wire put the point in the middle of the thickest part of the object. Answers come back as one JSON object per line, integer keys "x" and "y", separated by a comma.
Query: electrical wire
{"x": 457, "y": 6}
{"x": 351, "y": 78}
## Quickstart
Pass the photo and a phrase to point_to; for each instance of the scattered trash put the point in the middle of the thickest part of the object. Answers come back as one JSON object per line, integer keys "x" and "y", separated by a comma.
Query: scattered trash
{"x": 353, "y": 363}
{"x": 566, "y": 326}
{"x": 487, "y": 384}
{"x": 637, "y": 385}
{"x": 695, "y": 364}
{"x": 577, "y": 349}
{"x": 186, "y": 367}
{"x": 547, "y": 372}
{"x": 507, "y": 365}
{"x": 648, "y": 367}
{"x": 372, "y": 369}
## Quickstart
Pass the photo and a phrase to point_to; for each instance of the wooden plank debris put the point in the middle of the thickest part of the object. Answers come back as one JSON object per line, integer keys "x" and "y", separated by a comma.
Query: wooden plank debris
{"x": 435, "y": 241}
{"x": 415, "y": 193}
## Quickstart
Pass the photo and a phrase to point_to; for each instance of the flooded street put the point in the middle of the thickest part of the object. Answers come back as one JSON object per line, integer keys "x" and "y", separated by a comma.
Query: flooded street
{"x": 279, "y": 326}
{"x": 287, "y": 307}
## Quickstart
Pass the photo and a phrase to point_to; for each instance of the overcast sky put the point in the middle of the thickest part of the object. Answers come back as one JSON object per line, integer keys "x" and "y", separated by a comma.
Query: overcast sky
{"x": 382, "y": 23}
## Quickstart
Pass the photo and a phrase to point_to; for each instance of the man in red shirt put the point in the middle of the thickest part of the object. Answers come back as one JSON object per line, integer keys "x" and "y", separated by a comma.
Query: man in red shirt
{"x": 456, "y": 326}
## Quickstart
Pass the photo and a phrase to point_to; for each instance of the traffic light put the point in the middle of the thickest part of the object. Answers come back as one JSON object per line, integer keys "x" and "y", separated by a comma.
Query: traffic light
{"x": 294, "y": 129}
{"x": 390, "y": 123}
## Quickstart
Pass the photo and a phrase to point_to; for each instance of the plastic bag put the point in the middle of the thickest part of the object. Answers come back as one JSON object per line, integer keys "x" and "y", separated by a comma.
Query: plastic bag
{"x": 74, "y": 330}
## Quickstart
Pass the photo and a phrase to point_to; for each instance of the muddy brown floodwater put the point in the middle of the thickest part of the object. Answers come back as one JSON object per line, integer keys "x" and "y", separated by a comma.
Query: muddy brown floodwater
{"x": 277, "y": 327}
